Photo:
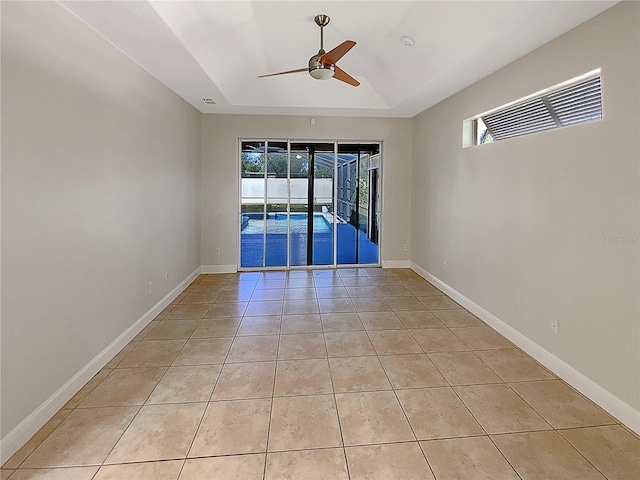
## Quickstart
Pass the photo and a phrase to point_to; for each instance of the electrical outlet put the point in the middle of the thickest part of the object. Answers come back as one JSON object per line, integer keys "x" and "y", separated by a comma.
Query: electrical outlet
{"x": 217, "y": 211}
{"x": 444, "y": 266}
{"x": 217, "y": 251}
{"x": 150, "y": 288}
{"x": 406, "y": 246}
{"x": 555, "y": 326}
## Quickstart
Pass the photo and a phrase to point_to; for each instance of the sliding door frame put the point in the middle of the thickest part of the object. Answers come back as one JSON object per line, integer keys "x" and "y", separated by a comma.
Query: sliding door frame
{"x": 310, "y": 205}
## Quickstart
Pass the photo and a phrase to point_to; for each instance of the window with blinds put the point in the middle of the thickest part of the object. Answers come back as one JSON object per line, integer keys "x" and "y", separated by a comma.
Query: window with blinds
{"x": 570, "y": 103}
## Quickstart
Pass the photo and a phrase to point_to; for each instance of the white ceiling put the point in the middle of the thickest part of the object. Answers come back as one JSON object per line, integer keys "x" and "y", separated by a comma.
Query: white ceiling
{"x": 217, "y": 49}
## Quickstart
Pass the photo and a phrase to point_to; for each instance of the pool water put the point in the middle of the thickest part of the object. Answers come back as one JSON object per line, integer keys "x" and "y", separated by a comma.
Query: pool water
{"x": 277, "y": 223}
{"x": 277, "y": 249}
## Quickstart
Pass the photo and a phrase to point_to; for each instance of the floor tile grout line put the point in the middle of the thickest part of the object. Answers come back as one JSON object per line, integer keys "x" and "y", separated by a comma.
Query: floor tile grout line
{"x": 486, "y": 434}
{"x": 174, "y": 359}
{"x": 504, "y": 456}
{"x": 41, "y": 442}
{"x": 406, "y": 417}
{"x": 451, "y": 387}
{"x": 366, "y": 331}
{"x": 483, "y": 429}
{"x": 530, "y": 406}
{"x": 184, "y": 463}
{"x": 61, "y": 422}
{"x": 273, "y": 390}
{"x": 308, "y": 449}
{"x": 335, "y": 402}
{"x": 205, "y": 409}
{"x": 557, "y": 432}
{"x": 571, "y": 388}
{"x": 558, "y": 429}
{"x": 102, "y": 463}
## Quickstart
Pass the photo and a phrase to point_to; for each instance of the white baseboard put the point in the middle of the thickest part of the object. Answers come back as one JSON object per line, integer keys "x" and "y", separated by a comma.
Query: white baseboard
{"x": 218, "y": 269}
{"x": 396, "y": 264}
{"x": 208, "y": 269}
{"x": 618, "y": 408}
{"x": 17, "y": 437}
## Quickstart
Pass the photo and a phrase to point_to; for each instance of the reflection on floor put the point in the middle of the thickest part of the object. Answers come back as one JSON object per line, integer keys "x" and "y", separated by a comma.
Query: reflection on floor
{"x": 339, "y": 375}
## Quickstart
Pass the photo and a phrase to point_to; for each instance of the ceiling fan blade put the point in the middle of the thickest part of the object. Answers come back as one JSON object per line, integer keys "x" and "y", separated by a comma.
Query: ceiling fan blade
{"x": 343, "y": 76}
{"x": 331, "y": 57}
{"x": 306, "y": 69}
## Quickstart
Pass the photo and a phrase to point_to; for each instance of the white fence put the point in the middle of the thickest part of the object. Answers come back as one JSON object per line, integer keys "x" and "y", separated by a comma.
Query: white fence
{"x": 253, "y": 190}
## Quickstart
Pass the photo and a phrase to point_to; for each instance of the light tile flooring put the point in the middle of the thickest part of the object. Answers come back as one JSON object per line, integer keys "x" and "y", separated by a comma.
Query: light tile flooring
{"x": 350, "y": 374}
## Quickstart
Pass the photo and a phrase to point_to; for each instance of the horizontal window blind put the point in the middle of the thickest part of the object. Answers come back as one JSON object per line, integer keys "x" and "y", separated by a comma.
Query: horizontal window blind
{"x": 569, "y": 105}
{"x": 579, "y": 103}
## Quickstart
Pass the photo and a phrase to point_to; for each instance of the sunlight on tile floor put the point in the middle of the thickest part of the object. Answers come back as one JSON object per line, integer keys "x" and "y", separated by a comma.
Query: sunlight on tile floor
{"x": 360, "y": 374}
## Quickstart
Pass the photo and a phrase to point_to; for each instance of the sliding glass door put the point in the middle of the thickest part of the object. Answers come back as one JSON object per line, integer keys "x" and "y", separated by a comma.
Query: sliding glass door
{"x": 293, "y": 214}
{"x": 264, "y": 203}
{"x": 358, "y": 201}
{"x": 311, "y": 187}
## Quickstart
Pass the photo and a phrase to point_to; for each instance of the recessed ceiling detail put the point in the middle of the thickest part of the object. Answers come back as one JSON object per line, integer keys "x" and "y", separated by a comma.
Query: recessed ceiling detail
{"x": 217, "y": 49}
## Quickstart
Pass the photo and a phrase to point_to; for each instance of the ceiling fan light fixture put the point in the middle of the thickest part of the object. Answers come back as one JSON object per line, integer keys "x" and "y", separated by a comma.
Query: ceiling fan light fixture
{"x": 323, "y": 65}
{"x": 322, "y": 73}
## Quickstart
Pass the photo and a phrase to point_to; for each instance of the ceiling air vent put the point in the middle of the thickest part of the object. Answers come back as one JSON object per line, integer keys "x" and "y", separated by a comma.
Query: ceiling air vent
{"x": 209, "y": 101}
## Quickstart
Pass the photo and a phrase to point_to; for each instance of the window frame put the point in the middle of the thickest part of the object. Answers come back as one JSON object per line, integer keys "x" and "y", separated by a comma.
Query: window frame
{"x": 545, "y": 107}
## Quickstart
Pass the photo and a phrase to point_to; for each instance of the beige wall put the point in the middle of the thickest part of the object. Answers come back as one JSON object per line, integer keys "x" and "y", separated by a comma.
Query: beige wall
{"x": 520, "y": 223}
{"x": 100, "y": 195}
{"x": 102, "y": 192}
{"x": 220, "y": 183}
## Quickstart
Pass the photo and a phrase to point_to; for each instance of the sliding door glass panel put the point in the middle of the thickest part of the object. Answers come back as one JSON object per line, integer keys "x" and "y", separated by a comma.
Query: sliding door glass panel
{"x": 367, "y": 217}
{"x": 299, "y": 159}
{"x": 322, "y": 203}
{"x": 357, "y": 204}
{"x": 346, "y": 204}
{"x": 252, "y": 205}
{"x": 374, "y": 197}
{"x": 277, "y": 167}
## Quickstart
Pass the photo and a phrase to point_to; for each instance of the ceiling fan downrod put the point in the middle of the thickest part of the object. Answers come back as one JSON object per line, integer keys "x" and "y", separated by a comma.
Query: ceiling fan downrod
{"x": 322, "y": 21}
{"x": 317, "y": 69}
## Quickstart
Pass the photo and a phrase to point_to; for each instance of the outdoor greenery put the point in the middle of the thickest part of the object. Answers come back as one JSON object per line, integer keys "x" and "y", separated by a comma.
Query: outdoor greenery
{"x": 363, "y": 191}
{"x": 253, "y": 166}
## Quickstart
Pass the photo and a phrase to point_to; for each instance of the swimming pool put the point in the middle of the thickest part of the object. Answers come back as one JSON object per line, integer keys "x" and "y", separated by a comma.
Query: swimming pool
{"x": 277, "y": 249}
{"x": 277, "y": 223}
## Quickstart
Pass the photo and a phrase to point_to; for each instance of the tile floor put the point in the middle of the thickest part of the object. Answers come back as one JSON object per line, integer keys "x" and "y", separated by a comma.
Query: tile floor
{"x": 350, "y": 374}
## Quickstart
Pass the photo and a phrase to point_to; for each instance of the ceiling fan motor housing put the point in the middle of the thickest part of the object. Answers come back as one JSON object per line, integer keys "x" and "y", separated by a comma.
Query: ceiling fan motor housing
{"x": 319, "y": 70}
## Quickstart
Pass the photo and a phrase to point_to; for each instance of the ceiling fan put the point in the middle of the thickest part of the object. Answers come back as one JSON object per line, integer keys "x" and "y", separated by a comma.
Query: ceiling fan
{"x": 323, "y": 65}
